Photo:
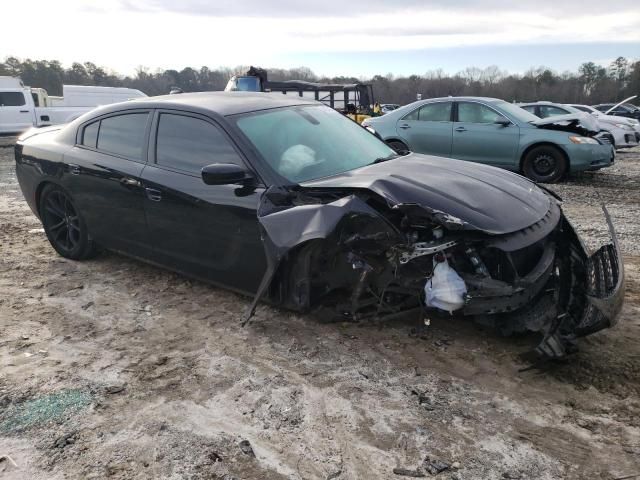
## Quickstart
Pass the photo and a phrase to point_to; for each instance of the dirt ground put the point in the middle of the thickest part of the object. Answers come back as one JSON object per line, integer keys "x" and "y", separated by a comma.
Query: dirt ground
{"x": 113, "y": 368}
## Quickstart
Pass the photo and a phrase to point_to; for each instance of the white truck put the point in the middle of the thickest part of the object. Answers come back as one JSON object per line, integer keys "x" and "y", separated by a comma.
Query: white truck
{"x": 23, "y": 107}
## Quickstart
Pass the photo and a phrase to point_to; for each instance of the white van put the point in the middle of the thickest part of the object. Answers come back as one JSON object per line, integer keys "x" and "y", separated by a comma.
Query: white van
{"x": 23, "y": 107}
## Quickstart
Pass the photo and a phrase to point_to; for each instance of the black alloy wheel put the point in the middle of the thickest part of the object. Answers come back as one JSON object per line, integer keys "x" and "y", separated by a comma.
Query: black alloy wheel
{"x": 63, "y": 225}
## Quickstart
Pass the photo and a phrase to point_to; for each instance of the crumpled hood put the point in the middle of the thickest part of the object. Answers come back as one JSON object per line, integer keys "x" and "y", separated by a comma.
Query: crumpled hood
{"x": 585, "y": 120}
{"x": 484, "y": 198}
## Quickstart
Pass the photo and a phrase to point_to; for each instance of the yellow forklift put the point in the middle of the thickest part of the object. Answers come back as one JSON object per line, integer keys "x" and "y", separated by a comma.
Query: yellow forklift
{"x": 354, "y": 100}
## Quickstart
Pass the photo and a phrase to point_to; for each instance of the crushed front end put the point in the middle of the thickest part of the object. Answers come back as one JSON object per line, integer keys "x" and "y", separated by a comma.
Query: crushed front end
{"x": 350, "y": 255}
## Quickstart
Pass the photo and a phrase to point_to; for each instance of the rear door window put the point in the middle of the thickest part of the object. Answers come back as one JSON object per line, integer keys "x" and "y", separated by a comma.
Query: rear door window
{"x": 551, "y": 111}
{"x": 123, "y": 135}
{"x": 432, "y": 112}
{"x": 469, "y": 112}
{"x": 188, "y": 143}
{"x": 12, "y": 99}
{"x": 90, "y": 134}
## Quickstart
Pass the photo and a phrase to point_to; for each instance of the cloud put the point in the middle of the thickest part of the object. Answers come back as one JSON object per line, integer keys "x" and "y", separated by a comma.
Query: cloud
{"x": 124, "y": 34}
{"x": 360, "y": 8}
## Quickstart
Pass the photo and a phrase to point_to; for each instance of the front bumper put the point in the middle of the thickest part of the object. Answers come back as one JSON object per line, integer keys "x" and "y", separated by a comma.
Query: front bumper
{"x": 628, "y": 140}
{"x": 566, "y": 294}
{"x": 590, "y": 157}
{"x": 595, "y": 308}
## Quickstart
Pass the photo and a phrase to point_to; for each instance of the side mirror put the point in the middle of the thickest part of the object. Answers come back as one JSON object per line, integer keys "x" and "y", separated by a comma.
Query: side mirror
{"x": 503, "y": 121}
{"x": 225, "y": 174}
{"x": 373, "y": 132}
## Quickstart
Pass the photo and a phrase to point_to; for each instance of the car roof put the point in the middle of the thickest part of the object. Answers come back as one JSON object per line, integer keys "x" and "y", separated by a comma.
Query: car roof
{"x": 222, "y": 103}
{"x": 543, "y": 103}
{"x": 537, "y": 102}
{"x": 481, "y": 99}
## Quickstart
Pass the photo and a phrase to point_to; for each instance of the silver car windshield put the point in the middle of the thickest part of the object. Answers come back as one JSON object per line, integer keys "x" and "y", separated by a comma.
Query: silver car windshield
{"x": 515, "y": 112}
{"x": 307, "y": 142}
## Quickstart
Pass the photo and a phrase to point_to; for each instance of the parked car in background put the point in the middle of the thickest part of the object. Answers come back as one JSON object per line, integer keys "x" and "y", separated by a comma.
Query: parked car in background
{"x": 93, "y": 96}
{"x": 622, "y": 131}
{"x": 498, "y": 133}
{"x": 388, "y": 107}
{"x": 23, "y": 107}
{"x": 608, "y": 119}
{"x": 286, "y": 199}
{"x": 622, "y": 109}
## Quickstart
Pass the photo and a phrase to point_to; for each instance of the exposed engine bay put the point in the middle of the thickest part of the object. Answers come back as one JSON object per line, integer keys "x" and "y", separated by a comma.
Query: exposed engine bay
{"x": 350, "y": 254}
{"x": 581, "y": 123}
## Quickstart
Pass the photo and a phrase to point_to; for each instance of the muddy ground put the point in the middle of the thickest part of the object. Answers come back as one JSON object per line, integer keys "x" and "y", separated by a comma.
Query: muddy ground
{"x": 111, "y": 368}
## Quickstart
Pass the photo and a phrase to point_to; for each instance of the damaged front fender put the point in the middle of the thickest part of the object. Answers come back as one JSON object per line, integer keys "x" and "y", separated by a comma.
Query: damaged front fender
{"x": 285, "y": 226}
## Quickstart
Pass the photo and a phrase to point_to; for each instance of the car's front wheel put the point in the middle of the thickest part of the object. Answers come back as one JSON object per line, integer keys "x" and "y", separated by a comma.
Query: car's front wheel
{"x": 64, "y": 226}
{"x": 544, "y": 164}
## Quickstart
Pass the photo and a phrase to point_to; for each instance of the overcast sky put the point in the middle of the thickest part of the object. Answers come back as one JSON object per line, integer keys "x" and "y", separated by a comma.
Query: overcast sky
{"x": 332, "y": 37}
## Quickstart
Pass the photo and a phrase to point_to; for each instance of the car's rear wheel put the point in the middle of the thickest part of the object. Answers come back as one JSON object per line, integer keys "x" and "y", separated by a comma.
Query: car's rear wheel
{"x": 544, "y": 164}
{"x": 64, "y": 226}
{"x": 398, "y": 146}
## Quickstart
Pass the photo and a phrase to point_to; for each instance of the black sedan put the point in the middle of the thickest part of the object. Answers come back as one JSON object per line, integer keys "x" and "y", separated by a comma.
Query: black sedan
{"x": 291, "y": 202}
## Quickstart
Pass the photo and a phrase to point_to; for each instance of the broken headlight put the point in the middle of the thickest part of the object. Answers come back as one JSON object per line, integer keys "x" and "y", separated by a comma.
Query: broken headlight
{"x": 583, "y": 140}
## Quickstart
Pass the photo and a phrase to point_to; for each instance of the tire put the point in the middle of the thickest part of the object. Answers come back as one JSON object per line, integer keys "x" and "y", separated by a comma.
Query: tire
{"x": 544, "y": 164}
{"x": 65, "y": 228}
{"x": 398, "y": 146}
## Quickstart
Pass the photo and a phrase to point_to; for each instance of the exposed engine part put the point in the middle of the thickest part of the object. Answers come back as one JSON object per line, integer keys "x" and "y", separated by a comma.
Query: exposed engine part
{"x": 476, "y": 261}
{"x": 445, "y": 289}
{"x": 425, "y": 248}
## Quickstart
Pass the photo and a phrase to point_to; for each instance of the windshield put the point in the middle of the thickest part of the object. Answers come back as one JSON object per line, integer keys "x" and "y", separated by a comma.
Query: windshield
{"x": 515, "y": 112}
{"x": 244, "y": 84}
{"x": 585, "y": 108}
{"x": 307, "y": 142}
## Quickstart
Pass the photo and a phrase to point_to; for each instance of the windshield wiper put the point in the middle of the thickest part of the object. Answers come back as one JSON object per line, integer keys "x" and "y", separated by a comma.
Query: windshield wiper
{"x": 384, "y": 159}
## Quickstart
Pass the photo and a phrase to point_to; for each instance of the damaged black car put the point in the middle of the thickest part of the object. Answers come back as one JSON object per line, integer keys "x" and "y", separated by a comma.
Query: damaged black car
{"x": 291, "y": 202}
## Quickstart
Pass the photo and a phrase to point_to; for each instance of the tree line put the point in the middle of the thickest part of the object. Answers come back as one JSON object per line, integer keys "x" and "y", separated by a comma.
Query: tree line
{"x": 591, "y": 84}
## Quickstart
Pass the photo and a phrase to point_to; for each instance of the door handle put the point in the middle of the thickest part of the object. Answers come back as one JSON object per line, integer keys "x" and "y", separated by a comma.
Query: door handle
{"x": 24, "y": 111}
{"x": 74, "y": 169}
{"x": 461, "y": 129}
{"x": 153, "y": 194}
{"x": 130, "y": 182}
{"x": 404, "y": 126}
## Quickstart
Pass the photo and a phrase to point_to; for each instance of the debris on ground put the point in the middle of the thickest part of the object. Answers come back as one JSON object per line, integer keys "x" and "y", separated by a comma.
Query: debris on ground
{"x": 114, "y": 388}
{"x": 404, "y": 472}
{"x": 64, "y": 440}
{"x": 246, "y": 448}
{"x": 434, "y": 466}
